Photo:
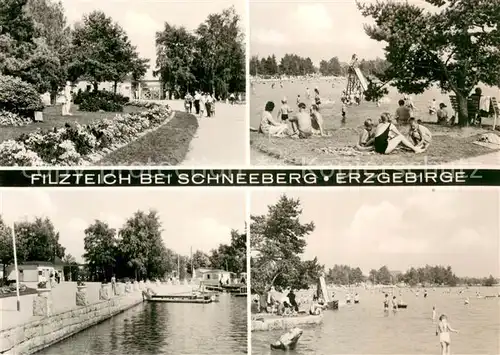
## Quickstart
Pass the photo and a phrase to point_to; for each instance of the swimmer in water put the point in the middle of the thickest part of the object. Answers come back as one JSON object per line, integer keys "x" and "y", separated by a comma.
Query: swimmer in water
{"x": 394, "y": 304}
{"x": 425, "y": 294}
{"x": 443, "y": 330}
{"x": 386, "y": 303}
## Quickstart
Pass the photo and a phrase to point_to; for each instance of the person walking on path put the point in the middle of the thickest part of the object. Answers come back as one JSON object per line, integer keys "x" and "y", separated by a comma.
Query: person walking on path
{"x": 197, "y": 98}
{"x": 113, "y": 284}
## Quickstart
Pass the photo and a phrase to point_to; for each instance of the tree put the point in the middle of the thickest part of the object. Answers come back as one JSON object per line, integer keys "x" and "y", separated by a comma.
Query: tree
{"x": 230, "y": 257}
{"x": 39, "y": 241}
{"x": 141, "y": 245}
{"x": 70, "y": 269}
{"x": 221, "y": 53}
{"x": 175, "y": 48}
{"x": 490, "y": 281}
{"x": 454, "y": 46}
{"x": 331, "y": 67}
{"x": 100, "y": 250}
{"x": 278, "y": 239}
{"x": 103, "y": 52}
{"x": 200, "y": 260}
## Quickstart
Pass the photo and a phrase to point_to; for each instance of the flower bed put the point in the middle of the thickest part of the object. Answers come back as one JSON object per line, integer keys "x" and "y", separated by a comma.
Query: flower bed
{"x": 13, "y": 119}
{"x": 76, "y": 144}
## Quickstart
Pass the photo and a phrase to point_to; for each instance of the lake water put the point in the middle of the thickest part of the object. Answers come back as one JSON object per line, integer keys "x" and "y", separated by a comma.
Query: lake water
{"x": 364, "y": 328}
{"x": 165, "y": 328}
{"x": 262, "y": 92}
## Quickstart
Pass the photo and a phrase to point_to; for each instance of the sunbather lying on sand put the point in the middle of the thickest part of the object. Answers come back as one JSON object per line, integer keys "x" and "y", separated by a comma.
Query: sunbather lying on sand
{"x": 388, "y": 137}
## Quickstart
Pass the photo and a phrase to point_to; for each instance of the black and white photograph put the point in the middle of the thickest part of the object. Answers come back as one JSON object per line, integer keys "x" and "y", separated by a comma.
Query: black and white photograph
{"x": 374, "y": 83}
{"x": 90, "y": 273}
{"x": 375, "y": 271}
{"x": 122, "y": 83}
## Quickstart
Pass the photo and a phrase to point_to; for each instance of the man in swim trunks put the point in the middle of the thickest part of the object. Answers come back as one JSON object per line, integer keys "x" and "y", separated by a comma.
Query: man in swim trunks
{"x": 388, "y": 137}
{"x": 386, "y": 303}
{"x": 403, "y": 113}
{"x": 394, "y": 304}
{"x": 367, "y": 137}
{"x": 317, "y": 121}
{"x": 420, "y": 135}
{"x": 443, "y": 330}
{"x": 301, "y": 122}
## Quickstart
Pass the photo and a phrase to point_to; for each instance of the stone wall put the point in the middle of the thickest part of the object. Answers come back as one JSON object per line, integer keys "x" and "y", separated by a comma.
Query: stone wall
{"x": 265, "y": 322}
{"x": 33, "y": 336}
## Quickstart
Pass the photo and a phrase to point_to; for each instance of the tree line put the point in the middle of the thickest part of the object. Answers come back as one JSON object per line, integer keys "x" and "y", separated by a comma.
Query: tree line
{"x": 294, "y": 65}
{"x": 428, "y": 275}
{"x": 135, "y": 251}
{"x": 38, "y": 46}
{"x": 211, "y": 59}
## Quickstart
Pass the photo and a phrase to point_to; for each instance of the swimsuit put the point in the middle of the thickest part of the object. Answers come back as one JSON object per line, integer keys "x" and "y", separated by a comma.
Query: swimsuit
{"x": 381, "y": 142}
{"x": 284, "y": 116}
{"x": 444, "y": 337}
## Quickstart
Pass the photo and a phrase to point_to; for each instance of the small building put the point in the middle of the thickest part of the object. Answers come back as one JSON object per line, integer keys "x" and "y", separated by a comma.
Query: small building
{"x": 36, "y": 271}
{"x": 215, "y": 276}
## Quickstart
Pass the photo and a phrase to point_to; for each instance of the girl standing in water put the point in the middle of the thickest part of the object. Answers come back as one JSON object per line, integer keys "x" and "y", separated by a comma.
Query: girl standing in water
{"x": 443, "y": 330}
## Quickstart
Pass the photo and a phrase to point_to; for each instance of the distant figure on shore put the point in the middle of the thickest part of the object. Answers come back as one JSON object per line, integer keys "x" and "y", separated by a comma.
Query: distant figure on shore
{"x": 317, "y": 97}
{"x": 356, "y": 298}
{"x": 443, "y": 330}
{"x": 344, "y": 111}
{"x": 308, "y": 94}
{"x": 315, "y": 308}
{"x": 348, "y": 298}
{"x": 293, "y": 302}
{"x": 425, "y": 293}
{"x": 433, "y": 313}
{"x": 432, "y": 107}
{"x": 394, "y": 304}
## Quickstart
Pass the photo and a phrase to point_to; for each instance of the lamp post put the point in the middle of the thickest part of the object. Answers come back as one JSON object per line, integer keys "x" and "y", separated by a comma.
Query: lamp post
{"x": 15, "y": 267}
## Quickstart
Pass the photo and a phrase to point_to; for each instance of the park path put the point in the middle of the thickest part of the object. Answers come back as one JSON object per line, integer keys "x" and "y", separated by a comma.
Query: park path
{"x": 221, "y": 140}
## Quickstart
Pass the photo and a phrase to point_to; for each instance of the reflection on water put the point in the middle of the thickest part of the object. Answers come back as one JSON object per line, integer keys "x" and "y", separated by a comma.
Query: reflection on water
{"x": 364, "y": 329}
{"x": 165, "y": 328}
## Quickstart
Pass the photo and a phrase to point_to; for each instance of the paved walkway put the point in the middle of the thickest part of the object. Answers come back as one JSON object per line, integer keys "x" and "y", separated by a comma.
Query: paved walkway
{"x": 220, "y": 141}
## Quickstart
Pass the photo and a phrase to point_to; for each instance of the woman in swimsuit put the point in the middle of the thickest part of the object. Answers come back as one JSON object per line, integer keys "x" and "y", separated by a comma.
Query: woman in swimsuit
{"x": 388, "y": 137}
{"x": 443, "y": 330}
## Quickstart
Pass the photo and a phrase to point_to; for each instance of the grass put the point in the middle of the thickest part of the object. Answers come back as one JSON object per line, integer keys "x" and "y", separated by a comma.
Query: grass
{"x": 52, "y": 118}
{"x": 168, "y": 145}
{"x": 449, "y": 143}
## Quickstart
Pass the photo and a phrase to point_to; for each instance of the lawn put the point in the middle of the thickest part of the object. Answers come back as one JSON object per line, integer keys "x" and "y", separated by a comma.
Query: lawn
{"x": 167, "y": 145}
{"x": 52, "y": 118}
{"x": 449, "y": 143}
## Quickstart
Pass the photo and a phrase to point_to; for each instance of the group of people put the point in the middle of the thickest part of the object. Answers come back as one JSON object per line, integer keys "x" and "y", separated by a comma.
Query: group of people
{"x": 385, "y": 137}
{"x": 303, "y": 124}
{"x": 202, "y": 102}
{"x": 286, "y": 303}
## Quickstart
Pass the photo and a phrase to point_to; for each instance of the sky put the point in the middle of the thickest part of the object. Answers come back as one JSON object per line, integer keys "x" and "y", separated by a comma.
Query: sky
{"x": 399, "y": 227}
{"x": 190, "y": 217}
{"x": 315, "y": 29}
{"x": 142, "y": 19}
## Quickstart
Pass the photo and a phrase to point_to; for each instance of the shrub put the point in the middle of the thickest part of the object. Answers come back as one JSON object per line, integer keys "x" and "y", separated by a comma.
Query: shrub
{"x": 100, "y": 100}
{"x": 42, "y": 284}
{"x": 19, "y": 97}
{"x": 13, "y": 119}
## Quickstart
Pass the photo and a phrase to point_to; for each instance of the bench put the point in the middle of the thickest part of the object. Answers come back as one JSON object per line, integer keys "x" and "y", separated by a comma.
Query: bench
{"x": 475, "y": 114}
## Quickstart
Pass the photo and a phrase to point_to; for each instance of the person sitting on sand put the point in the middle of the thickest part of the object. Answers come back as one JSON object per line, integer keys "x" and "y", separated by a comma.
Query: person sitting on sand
{"x": 301, "y": 122}
{"x": 317, "y": 120}
{"x": 367, "y": 137}
{"x": 403, "y": 113}
{"x": 268, "y": 125}
{"x": 421, "y": 137}
{"x": 443, "y": 330}
{"x": 442, "y": 114}
{"x": 285, "y": 110}
{"x": 388, "y": 138}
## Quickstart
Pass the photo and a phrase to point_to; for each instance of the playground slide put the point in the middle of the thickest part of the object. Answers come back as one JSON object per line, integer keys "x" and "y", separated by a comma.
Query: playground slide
{"x": 361, "y": 78}
{"x": 324, "y": 290}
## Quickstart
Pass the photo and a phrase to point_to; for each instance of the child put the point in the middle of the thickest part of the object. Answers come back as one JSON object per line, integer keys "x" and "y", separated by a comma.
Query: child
{"x": 366, "y": 138}
{"x": 285, "y": 110}
{"x": 443, "y": 330}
